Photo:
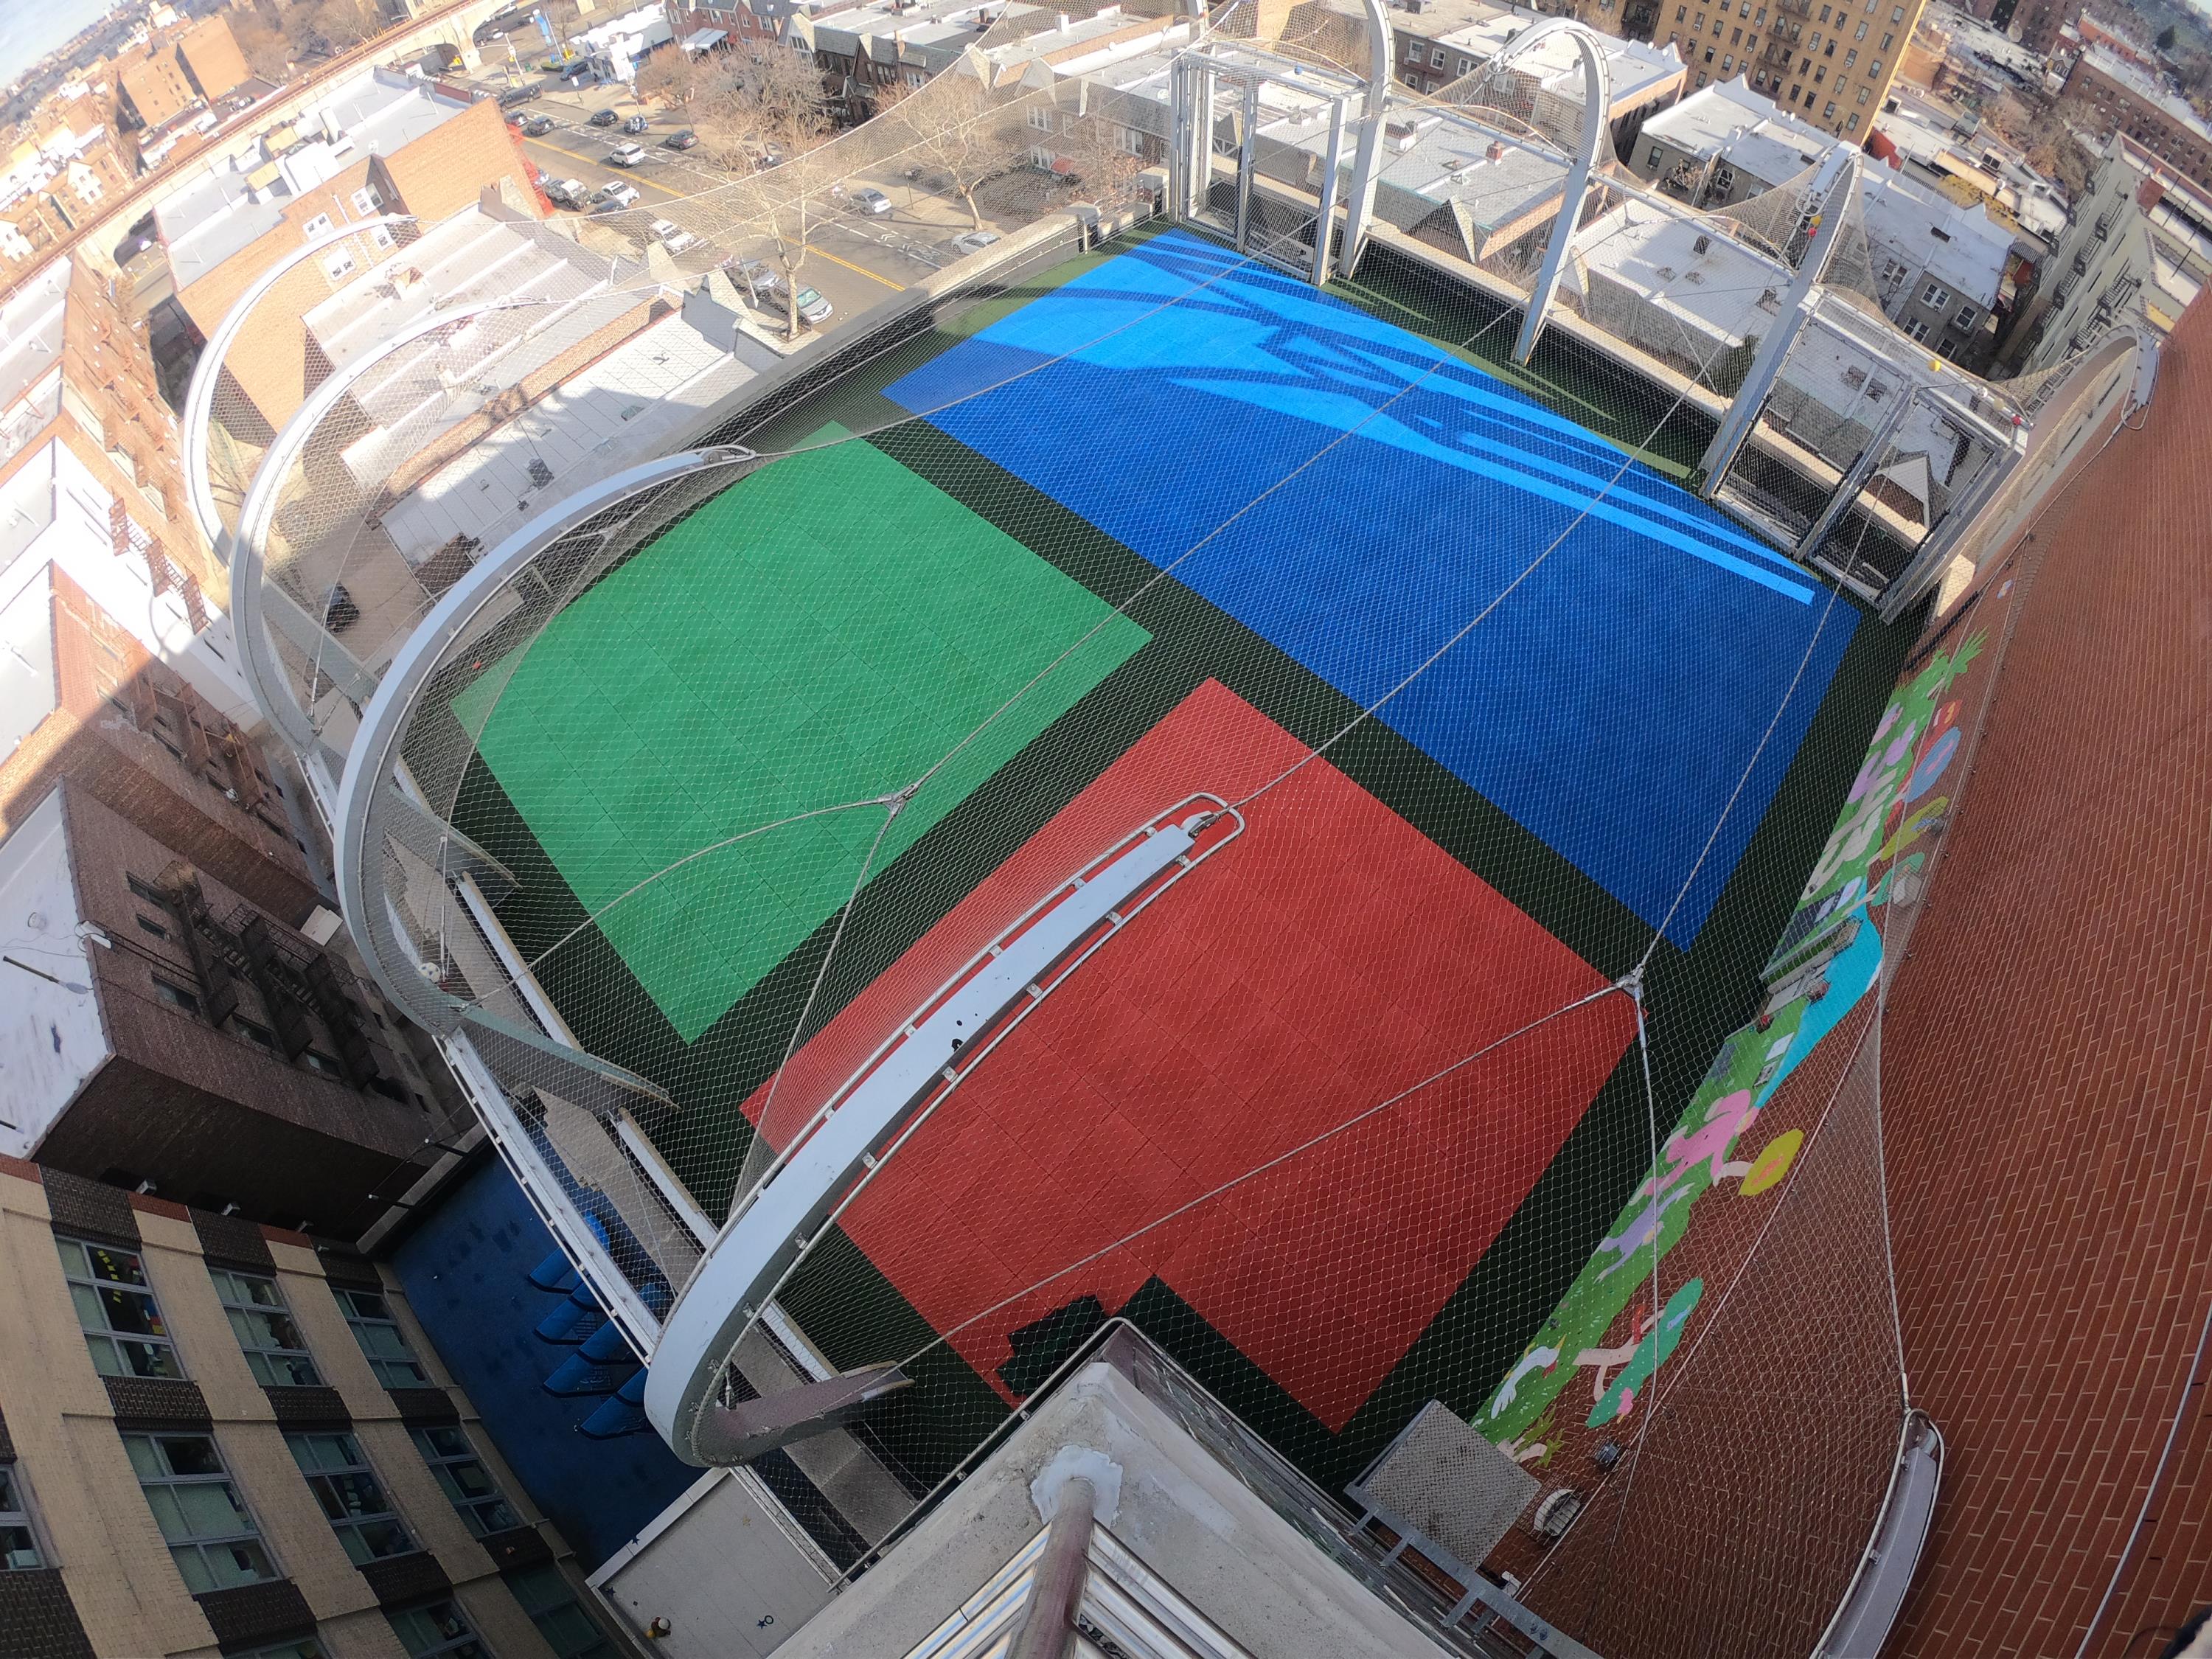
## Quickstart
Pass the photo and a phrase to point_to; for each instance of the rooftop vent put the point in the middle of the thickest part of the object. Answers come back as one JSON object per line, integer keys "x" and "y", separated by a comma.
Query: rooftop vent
{"x": 1703, "y": 242}
{"x": 1496, "y": 152}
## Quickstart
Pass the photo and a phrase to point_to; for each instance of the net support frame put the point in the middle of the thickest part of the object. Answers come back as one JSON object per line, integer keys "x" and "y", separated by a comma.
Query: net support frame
{"x": 1597, "y": 100}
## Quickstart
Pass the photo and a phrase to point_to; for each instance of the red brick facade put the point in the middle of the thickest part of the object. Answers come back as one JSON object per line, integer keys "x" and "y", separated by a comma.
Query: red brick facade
{"x": 2045, "y": 1081}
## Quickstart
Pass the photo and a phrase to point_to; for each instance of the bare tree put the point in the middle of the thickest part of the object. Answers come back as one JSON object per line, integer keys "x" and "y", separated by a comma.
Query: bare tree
{"x": 954, "y": 134}
{"x": 672, "y": 78}
{"x": 342, "y": 24}
{"x": 771, "y": 110}
{"x": 263, "y": 46}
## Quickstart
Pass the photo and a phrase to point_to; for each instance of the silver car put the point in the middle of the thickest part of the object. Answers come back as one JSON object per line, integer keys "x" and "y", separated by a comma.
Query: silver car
{"x": 873, "y": 203}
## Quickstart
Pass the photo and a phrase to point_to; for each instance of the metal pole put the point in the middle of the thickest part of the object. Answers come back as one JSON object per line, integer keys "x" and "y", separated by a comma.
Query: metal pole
{"x": 1244, "y": 163}
{"x": 1056, "y": 1586}
{"x": 1323, "y": 224}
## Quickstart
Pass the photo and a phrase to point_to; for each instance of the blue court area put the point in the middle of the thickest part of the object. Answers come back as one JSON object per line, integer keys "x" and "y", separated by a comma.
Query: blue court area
{"x": 466, "y": 1270}
{"x": 1325, "y": 478}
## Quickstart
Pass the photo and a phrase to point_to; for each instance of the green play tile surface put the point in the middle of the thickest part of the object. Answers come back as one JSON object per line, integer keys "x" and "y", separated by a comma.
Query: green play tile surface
{"x": 821, "y": 632}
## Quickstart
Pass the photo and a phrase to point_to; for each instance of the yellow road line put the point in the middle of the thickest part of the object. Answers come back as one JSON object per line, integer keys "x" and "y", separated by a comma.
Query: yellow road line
{"x": 850, "y": 265}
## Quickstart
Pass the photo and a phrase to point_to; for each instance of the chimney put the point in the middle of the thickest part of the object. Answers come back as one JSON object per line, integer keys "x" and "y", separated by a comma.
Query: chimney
{"x": 2149, "y": 194}
{"x": 1496, "y": 151}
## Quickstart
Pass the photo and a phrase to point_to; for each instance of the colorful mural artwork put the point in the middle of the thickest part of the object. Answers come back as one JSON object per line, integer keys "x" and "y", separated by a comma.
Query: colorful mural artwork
{"x": 1605, "y": 1330}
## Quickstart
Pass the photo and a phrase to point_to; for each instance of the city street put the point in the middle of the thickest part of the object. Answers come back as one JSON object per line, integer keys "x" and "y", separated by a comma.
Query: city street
{"x": 855, "y": 261}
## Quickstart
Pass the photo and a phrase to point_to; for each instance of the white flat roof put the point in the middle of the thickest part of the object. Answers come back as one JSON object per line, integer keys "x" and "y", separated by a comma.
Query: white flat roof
{"x": 1750, "y": 132}
{"x": 1961, "y": 247}
{"x": 1633, "y": 67}
{"x": 1714, "y": 290}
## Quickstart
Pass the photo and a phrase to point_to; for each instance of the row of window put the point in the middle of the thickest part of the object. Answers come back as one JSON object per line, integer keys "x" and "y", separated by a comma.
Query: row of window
{"x": 127, "y": 1336}
{"x": 210, "y": 1532}
{"x": 338, "y": 263}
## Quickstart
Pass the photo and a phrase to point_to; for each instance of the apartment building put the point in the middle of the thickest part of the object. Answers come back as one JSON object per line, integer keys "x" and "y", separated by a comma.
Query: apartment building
{"x": 209, "y": 55}
{"x": 2109, "y": 95}
{"x": 57, "y": 177}
{"x": 1724, "y": 145}
{"x": 152, "y": 90}
{"x": 166, "y": 1029}
{"x": 1945, "y": 273}
{"x": 219, "y": 1436}
{"x": 379, "y": 143}
{"x": 1829, "y": 65}
{"x": 2139, "y": 251}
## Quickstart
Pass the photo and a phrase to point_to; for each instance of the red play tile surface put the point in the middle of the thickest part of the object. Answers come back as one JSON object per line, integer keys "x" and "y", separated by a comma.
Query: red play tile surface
{"x": 1326, "y": 960}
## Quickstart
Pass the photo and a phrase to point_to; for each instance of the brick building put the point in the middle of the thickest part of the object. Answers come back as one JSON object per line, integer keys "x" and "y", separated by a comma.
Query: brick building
{"x": 211, "y": 58}
{"x": 217, "y": 1436}
{"x": 2107, "y": 92}
{"x": 380, "y": 142}
{"x": 1828, "y": 64}
{"x": 153, "y": 89}
{"x": 57, "y": 180}
{"x": 189, "y": 1038}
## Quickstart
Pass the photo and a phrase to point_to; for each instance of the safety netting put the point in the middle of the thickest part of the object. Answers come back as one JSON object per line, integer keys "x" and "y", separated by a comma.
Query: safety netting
{"x": 1501, "y": 759}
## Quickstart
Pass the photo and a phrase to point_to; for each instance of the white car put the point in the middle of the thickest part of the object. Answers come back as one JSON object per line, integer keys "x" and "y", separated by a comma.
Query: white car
{"x": 672, "y": 235}
{"x": 615, "y": 193}
{"x": 626, "y": 156}
{"x": 973, "y": 242}
{"x": 873, "y": 203}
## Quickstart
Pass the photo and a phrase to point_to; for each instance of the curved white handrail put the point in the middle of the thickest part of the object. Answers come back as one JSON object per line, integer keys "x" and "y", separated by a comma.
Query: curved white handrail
{"x": 857, "y": 1132}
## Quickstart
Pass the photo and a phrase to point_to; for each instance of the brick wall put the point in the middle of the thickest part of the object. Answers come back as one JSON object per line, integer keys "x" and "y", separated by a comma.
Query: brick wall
{"x": 2047, "y": 1104}
{"x": 114, "y": 755}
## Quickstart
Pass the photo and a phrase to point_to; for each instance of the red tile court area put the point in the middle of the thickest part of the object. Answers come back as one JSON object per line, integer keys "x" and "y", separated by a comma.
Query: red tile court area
{"x": 2046, "y": 1095}
{"x": 1327, "y": 959}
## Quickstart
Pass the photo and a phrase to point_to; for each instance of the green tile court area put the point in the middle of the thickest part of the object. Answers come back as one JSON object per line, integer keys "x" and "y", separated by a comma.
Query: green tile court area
{"x": 819, "y": 633}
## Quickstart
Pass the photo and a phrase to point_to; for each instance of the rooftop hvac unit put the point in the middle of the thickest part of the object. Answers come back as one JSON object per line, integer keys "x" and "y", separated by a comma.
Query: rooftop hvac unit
{"x": 1703, "y": 242}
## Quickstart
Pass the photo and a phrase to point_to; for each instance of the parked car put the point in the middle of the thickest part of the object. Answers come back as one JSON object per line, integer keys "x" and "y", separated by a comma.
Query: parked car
{"x": 514, "y": 95}
{"x": 672, "y": 235}
{"x": 682, "y": 140}
{"x": 615, "y": 194}
{"x": 626, "y": 156}
{"x": 757, "y": 278}
{"x": 873, "y": 203}
{"x": 634, "y": 123}
{"x": 538, "y": 126}
{"x": 812, "y": 306}
{"x": 604, "y": 117}
{"x": 568, "y": 193}
{"x": 973, "y": 242}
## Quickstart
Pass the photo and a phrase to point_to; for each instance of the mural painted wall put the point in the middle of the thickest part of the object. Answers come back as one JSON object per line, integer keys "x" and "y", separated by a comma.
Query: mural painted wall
{"x": 1592, "y": 1366}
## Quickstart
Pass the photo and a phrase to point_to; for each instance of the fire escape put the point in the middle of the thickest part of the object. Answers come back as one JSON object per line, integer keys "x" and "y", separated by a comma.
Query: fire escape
{"x": 295, "y": 980}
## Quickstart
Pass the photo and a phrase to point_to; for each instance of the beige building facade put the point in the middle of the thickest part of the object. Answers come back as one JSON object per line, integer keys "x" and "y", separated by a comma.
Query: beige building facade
{"x": 220, "y": 1437}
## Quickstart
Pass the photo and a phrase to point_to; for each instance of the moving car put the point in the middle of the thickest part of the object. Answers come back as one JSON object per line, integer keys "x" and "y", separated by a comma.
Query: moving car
{"x": 672, "y": 235}
{"x": 634, "y": 124}
{"x": 538, "y": 126}
{"x": 626, "y": 156}
{"x": 604, "y": 117}
{"x": 615, "y": 194}
{"x": 873, "y": 203}
{"x": 514, "y": 95}
{"x": 973, "y": 242}
{"x": 682, "y": 140}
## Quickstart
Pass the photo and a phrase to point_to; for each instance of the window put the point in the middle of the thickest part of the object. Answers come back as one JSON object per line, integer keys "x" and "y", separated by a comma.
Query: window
{"x": 274, "y": 1350}
{"x": 19, "y": 1540}
{"x": 1873, "y": 70}
{"x": 551, "y": 1605}
{"x": 337, "y": 263}
{"x": 468, "y": 1485}
{"x": 176, "y": 996}
{"x": 1828, "y": 113}
{"x": 1850, "y": 59}
{"x": 1437, "y": 57}
{"x": 115, "y": 1307}
{"x": 1728, "y": 66}
{"x": 1885, "y": 39}
{"x": 352, "y": 1497}
{"x": 437, "y": 1632}
{"x": 254, "y": 1033}
{"x": 1916, "y": 328}
{"x": 1041, "y": 118}
{"x": 381, "y": 235}
{"x": 1653, "y": 161}
{"x": 315, "y": 226}
{"x": 315, "y": 1061}
{"x": 380, "y": 1340}
{"x": 368, "y": 199}
{"x": 1936, "y": 296}
{"x": 1864, "y": 93}
{"x": 1967, "y": 316}
{"x": 148, "y": 925}
{"x": 210, "y": 1534}
{"x": 1466, "y": 65}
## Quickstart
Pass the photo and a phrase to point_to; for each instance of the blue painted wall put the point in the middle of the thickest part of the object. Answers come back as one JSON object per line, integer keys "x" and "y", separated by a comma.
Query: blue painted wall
{"x": 466, "y": 1269}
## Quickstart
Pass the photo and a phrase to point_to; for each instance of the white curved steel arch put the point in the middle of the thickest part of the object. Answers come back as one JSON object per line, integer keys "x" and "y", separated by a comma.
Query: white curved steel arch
{"x": 1360, "y": 203}
{"x": 1597, "y": 108}
{"x": 365, "y": 801}
{"x": 199, "y": 396}
{"x": 257, "y": 657}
